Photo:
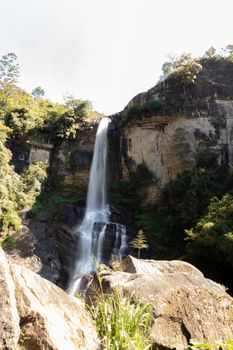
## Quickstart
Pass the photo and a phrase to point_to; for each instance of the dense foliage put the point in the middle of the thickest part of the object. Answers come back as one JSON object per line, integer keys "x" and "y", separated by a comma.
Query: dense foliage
{"x": 184, "y": 67}
{"x": 29, "y": 116}
{"x": 187, "y": 68}
{"x": 211, "y": 240}
{"x": 136, "y": 110}
{"x": 16, "y": 191}
{"x": 213, "y": 345}
{"x": 195, "y": 218}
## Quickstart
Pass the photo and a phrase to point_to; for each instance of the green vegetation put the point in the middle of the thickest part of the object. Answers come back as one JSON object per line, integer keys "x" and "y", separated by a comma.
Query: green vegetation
{"x": 38, "y": 92}
{"x": 25, "y": 116}
{"x": 210, "y": 244}
{"x": 186, "y": 68}
{"x": 122, "y": 322}
{"x": 144, "y": 109}
{"x": 62, "y": 126}
{"x": 195, "y": 218}
{"x": 49, "y": 202}
{"x": 139, "y": 242}
{"x": 16, "y": 191}
{"x": 228, "y": 345}
{"x": 122, "y": 193}
{"x": 188, "y": 196}
{"x": 8, "y": 243}
{"x": 157, "y": 225}
{"x": 30, "y": 115}
{"x": 126, "y": 192}
{"x": 9, "y": 69}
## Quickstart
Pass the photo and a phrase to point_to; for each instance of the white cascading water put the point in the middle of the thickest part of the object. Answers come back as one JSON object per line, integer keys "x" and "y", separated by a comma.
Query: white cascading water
{"x": 97, "y": 211}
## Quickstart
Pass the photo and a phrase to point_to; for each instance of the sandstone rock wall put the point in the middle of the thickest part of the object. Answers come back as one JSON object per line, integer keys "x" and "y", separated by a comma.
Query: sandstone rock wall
{"x": 25, "y": 152}
{"x": 71, "y": 161}
{"x": 193, "y": 118}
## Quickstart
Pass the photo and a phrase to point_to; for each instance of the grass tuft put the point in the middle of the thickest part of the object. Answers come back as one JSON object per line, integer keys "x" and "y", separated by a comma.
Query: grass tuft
{"x": 122, "y": 322}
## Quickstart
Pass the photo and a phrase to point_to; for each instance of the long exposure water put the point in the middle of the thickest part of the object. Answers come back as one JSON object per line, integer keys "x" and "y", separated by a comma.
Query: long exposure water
{"x": 97, "y": 211}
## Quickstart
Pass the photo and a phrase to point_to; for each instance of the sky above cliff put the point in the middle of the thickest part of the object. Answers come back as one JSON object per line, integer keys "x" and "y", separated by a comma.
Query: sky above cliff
{"x": 106, "y": 51}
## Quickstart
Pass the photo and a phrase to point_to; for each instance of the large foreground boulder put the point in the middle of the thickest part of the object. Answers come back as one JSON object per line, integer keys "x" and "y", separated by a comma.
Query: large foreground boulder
{"x": 185, "y": 304}
{"x": 134, "y": 265}
{"x": 9, "y": 317}
{"x": 42, "y": 315}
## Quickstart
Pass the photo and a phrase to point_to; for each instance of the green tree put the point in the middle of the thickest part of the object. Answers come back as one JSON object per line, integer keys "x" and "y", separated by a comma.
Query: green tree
{"x": 62, "y": 122}
{"x": 38, "y": 92}
{"x": 169, "y": 66}
{"x": 210, "y": 245}
{"x": 210, "y": 52}
{"x": 228, "y": 50}
{"x": 79, "y": 108}
{"x": 140, "y": 242}
{"x": 20, "y": 121}
{"x": 9, "y": 68}
{"x": 184, "y": 67}
{"x": 9, "y": 185}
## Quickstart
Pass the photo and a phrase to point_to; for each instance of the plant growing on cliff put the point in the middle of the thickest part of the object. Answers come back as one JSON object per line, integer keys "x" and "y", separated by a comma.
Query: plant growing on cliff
{"x": 32, "y": 179}
{"x": 21, "y": 121}
{"x": 228, "y": 50}
{"x": 123, "y": 323}
{"x": 9, "y": 68}
{"x": 38, "y": 92}
{"x": 150, "y": 107}
{"x": 139, "y": 242}
{"x": 9, "y": 185}
{"x": 184, "y": 67}
{"x": 210, "y": 53}
{"x": 227, "y": 345}
{"x": 212, "y": 236}
{"x": 16, "y": 191}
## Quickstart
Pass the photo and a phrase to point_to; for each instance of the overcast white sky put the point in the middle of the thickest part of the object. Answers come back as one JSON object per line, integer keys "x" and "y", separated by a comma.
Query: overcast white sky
{"x": 106, "y": 51}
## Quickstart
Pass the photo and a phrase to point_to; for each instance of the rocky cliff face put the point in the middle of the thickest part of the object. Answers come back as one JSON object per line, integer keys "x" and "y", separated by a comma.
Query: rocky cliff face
{"x": 193, "y": 118}
{"x": 70, "y": 161}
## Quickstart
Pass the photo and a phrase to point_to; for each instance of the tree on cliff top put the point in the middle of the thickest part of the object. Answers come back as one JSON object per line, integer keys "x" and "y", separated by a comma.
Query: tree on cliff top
{"x": 210, "y": 52}
{"x": 38, "y": 92}
{"x": 9, "y": 68}
{"x": 184, "y": 67}
{"x": 228, "y": 50}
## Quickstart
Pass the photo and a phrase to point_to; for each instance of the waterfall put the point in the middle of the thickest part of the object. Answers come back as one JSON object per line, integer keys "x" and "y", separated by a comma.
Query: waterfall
{"x": 91, "y": 240}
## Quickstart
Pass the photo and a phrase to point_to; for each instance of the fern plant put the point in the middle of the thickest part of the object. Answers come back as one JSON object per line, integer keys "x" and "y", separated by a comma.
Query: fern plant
{"x": 140, "y": 242}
